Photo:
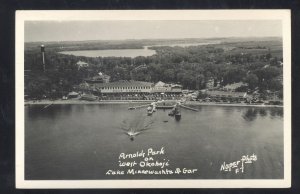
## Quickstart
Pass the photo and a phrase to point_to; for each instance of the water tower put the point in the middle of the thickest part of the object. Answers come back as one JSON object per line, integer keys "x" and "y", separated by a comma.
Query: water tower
{"x": 43, "y": 56}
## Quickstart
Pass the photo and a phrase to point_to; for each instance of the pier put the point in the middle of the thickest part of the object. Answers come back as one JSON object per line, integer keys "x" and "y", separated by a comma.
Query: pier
{"x": 190, "y": 108}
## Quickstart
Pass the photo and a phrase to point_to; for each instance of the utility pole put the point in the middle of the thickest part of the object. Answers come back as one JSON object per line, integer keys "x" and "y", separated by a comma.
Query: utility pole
{"x": 43, "y": 57}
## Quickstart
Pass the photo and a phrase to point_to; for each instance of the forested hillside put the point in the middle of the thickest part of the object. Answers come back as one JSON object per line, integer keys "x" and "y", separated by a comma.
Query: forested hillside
{"x": 257, "y": 63}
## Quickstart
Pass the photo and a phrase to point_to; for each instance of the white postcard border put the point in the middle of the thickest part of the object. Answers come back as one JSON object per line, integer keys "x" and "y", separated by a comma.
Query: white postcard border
{"x": 22, "y": 16}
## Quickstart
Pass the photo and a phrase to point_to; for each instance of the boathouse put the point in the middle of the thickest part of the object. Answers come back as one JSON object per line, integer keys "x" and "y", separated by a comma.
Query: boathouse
{"x": 161, "y": 87}
{"x": 226, "y": 95}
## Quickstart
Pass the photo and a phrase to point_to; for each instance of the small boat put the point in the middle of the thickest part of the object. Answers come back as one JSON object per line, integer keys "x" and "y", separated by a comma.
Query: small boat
{"x": 172, "y": 112}
{"x": 178, "y": 116}
{"x": 149, "y": 110}
{"x": 154, "y": 108}
{"x": 176, "y": 112}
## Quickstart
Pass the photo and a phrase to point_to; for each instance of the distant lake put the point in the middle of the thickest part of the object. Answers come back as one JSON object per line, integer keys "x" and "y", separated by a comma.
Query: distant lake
{"x": 125, "y": 52}
{"x": 187, "y": 44}
{"x": 112, "y": 53}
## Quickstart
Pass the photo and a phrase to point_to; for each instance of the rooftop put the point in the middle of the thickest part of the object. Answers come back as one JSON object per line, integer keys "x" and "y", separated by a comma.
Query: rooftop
{"x": 160, "y": 84}
{"x": 124, "y": 83}
{"x": 81, "y": 63}
{"x": 224, "y": 93}
{"x": 234, "y": 85}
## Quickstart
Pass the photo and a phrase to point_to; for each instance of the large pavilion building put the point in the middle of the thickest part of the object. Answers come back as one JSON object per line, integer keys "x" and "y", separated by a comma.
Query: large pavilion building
{"x": 124, "y": 87}
{"x": 134, "y": 87}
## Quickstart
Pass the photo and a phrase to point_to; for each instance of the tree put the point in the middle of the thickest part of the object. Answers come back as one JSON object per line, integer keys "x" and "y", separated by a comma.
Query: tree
{"x": 169, "y": 75}
{"x": 233, "y": 74}
{"x": 189, "y": 66}
{"x": 267, "y": 73}
{"x": 280, "y": 93}
{"x": 37, "y": 87}
{"x": 202, "y": 95}
{"x": 252, "y": 81}
{"x": 200, "y": 80}
{"x": 275, "y": 85}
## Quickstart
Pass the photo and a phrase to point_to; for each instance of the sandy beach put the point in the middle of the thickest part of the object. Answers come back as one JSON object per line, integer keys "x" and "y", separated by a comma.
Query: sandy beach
{"x": 77, "y": 101}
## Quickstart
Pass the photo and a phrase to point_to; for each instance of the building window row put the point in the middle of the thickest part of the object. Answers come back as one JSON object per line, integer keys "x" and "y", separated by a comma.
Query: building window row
{"x": 124, "y": 88}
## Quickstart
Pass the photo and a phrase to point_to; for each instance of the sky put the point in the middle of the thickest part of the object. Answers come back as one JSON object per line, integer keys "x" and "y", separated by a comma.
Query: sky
{"x": 121, "y": 30}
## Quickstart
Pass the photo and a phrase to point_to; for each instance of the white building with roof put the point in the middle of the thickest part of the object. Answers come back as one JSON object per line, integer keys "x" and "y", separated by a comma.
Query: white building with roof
{"x": 124, "y": 87}
{"x": 81, "y": 64}
{"x": 161, "y": 87}
{"x": 131, "y": 86}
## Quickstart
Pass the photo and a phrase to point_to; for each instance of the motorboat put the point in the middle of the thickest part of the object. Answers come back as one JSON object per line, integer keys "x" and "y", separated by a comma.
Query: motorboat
{"x": 132, "y": 134}
{"x": 176, "y": 112}
{"x": 177, "y": 116}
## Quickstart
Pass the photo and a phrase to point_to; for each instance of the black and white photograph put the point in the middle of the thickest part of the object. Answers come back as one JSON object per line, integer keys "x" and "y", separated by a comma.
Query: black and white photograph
{"x": 153, "y": 99}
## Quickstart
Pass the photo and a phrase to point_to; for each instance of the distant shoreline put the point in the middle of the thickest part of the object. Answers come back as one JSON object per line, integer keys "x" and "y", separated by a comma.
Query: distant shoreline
{"x": 75, "y": 101}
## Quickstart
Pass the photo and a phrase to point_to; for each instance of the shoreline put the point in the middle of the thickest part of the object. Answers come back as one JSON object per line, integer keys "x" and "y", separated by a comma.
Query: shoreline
{"x": 76, "y": 101}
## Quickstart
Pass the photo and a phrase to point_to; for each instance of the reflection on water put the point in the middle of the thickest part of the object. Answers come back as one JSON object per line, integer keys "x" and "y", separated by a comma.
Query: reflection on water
{"x": 251, "y": 113}
{"x": 262, "y": 112}
{"x": 276, "y": 112}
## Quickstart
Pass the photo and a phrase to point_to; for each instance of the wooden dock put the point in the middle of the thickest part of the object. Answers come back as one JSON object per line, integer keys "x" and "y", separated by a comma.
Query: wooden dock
{"x": 193, "y": 109}
{"x": 164, "y": 107}
{"x": 135, "y": 107}
{"x": 47, "y": 106}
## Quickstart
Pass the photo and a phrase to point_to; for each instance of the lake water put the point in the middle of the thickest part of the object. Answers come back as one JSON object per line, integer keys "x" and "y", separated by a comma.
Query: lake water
{"x": 84, "y": 141}
{"x": 188, "y": 44}
{"x": 124, "y": 52}
{"x": 112, "y": 53}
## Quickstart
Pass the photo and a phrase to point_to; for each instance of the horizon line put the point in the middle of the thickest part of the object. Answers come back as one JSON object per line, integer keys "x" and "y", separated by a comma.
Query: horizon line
{"x": 131, "y": 39}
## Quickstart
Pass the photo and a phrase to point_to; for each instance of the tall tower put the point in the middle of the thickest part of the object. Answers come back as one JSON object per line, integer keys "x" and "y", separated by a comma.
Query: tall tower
{"x": 43, "y": 57}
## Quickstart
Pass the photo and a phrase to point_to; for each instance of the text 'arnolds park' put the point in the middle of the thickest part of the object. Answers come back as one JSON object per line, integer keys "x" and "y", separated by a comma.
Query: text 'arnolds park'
{"x": 150, "y": 162}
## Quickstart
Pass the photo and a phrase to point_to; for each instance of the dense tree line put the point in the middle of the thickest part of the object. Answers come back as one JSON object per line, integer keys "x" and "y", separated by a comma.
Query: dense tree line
{"x": 190, "y": 66}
